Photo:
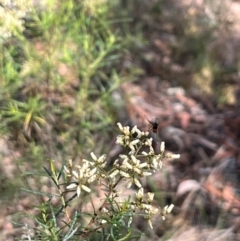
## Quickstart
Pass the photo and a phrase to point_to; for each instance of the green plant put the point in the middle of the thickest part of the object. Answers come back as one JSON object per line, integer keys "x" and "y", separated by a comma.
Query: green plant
{"x": 68, "y": 59}
{"x": 112, "y": 219}
{"x": 24, "y": 117}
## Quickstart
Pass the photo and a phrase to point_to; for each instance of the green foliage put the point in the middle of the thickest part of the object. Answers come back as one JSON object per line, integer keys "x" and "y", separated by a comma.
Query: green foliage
{"x": 58, "y": 76}
{"x": 24, "y": 117}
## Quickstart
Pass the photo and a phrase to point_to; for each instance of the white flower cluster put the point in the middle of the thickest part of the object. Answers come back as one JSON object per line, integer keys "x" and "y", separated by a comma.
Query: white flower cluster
{"x": 146, "y": 205}
{"x": 126, "y": 139}
{"x": 11, "y": 16}
{"x": 140, "y": 161}
{"x": 137, "y": 164}
{"x": 85, "y": 174}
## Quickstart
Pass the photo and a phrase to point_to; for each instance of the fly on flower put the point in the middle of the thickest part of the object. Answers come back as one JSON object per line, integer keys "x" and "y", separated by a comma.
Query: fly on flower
{"x": 154, "y": 127}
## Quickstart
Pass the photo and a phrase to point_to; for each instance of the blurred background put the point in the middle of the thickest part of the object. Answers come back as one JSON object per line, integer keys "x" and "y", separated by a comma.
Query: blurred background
{"x": 70, "y": 70}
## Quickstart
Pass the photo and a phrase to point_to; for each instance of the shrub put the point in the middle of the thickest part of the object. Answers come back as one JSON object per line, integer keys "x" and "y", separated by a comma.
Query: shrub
{"x": 112, "y": 219}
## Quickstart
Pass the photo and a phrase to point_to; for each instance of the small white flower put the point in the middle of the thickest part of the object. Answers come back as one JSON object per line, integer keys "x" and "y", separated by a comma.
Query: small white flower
{"x": 150, "y": 223}
{"x": 132, "y": 152}
{"x": 129, "y": 183}
{"x": 154, "y": 163}
{"x": 70, "y": 162}
{"x": 102, "y": 221}
{"x": 147, "y": 207}
{"x": 168, "y": 209}
{"x": 145, "y": 174}
{"x": 92, "y": 172}
{"x": 132, "y": 149}
{"x": 67, "y": 171}
{"x": 139, "y": 194}
{"x": 142, "y": 165}
{"x": 137, "y": 170}
{"x": 162, "y": 147}
{"x": 104, "y": 210}
{"x": 78, "y": 191}
{"x": 148, "y": 142}
{"x": 93, "y": 156}
{"x": 114, "y": 173}
{"x": 127, "y": 165}
{"x": 85, "y": 188}
{"x": 75, "y": 174}
{"x": 139, "y": 133}
{"x": 72, "y": 185}
{"x": 124, "y": 174}
{"x": 123, "y": 156}
{"x": 120, "y": 140}
{"x": 120, "y": 126}
{"x": 174, "y": 156}
{"x": 150, "y": 196}
{"x": 137, "y": 183}
{"x": 151, "y": 152}
{"x": 134, "y": 160}
{"x": 134, "y": 142}
{"x": 134, "y": 129}
{"x": 126, "y": 130}
{"x": 102, "y": 158}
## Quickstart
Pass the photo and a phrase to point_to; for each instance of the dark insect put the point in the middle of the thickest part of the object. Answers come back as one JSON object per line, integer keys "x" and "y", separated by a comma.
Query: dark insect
{"x": 153, "y": 125}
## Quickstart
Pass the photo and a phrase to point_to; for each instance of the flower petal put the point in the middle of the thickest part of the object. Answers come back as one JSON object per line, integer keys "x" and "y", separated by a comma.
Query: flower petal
{"x": 78, "y": 191}
{"x": 73, "y": 185}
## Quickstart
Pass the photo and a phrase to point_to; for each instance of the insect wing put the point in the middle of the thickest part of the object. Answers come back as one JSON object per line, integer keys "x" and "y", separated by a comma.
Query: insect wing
{"x": 153, "y": 125}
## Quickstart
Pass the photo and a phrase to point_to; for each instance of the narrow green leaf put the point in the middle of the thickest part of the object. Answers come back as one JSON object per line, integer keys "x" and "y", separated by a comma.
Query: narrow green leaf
{"x": 40, "y": 193}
